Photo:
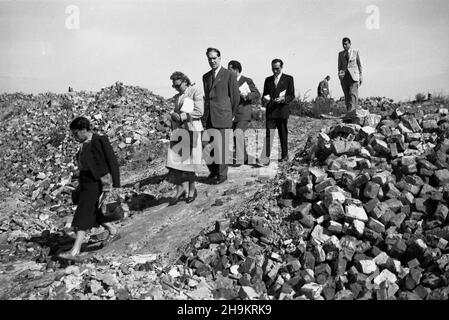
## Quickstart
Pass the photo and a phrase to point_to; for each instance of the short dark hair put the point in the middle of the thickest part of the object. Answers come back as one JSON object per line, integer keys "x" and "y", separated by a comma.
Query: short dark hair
{"x": 178, "y": 75}
{"x": 235, "y": 65}
{"x": 213, "y": 49}
{"x": 80, "y": 123}
{"x": 346, "y": 39}
{"x": 327, "y": 77}
{"x": 276, "y": 61}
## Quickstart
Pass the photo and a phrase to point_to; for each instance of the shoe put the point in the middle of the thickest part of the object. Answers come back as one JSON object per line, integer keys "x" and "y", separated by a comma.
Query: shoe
{"x": 221, "y": 180}
{"x": 212, "y": 176}
{"x": 175, "y": 200}
{"x": 262, "y": 163}
{"x": 191, "y": 199}
{"x": 285, "y": 159}
{"x": 111, "y": 238}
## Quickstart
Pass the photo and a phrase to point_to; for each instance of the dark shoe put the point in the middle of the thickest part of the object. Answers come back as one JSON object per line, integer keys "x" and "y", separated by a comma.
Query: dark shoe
{"x": 212, "y": 176}
{"x": 221, "y": 180}
{"x": 285, "y": 159}
{"x": 175, "y": 200}
{"x": 191, "y": 199}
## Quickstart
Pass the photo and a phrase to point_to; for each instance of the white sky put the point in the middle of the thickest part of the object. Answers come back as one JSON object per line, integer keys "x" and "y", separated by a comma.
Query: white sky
{"x": 143, "y": 42}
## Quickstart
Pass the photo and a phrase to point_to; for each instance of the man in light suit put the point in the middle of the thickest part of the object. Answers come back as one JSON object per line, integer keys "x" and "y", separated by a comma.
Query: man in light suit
{"x": 350, "y": 73}
{"x": 222, "y": 97}
{"x": 243, "y": 113}
{"x": 278, "y": 92}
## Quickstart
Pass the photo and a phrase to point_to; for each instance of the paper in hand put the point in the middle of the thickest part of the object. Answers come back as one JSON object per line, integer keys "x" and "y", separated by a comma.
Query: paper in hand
{"x": 282, "y": 94}
{"x": 187, "y": 105}
{"x": 267, "y": 97}
{"x": 244, "y": 88}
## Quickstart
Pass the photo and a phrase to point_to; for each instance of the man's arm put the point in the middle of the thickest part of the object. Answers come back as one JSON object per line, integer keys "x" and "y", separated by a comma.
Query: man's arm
{"x": 111, "y": 161}
{"x": 359, "y": 64}
{"x": 290, "y": 94}
{"x": 254, "y": 95}
{"x": 340, "y": 66}
{"x": 234, "y": 92}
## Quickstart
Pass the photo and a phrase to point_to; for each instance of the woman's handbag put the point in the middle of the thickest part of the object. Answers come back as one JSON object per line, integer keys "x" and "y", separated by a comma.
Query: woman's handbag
{"x": 110, "y": 206}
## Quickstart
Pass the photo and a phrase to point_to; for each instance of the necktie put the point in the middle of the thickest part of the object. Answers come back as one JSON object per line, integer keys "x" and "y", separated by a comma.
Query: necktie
{"x": 276, "y": 80}
{"x": 347, "y": 56}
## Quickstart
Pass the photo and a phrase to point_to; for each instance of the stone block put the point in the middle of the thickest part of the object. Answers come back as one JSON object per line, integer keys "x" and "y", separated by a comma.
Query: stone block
{"x": 355, "y": 212}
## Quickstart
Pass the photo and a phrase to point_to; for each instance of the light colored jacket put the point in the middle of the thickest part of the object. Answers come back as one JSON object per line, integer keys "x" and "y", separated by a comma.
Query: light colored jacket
{"x": 353, "y": 66}
{"x": 191, "y": 121}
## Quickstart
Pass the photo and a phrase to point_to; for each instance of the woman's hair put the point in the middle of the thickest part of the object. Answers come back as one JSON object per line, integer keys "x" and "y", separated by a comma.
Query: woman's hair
{"x": 177, "y": 75}
{"x": 80, "y": 123}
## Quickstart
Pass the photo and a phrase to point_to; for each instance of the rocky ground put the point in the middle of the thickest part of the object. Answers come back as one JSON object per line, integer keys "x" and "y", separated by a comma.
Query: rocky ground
{"x": 359, "y": 211}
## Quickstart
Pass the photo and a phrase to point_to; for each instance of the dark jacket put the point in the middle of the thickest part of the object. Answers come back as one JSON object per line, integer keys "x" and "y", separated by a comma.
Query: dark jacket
{"x": 102, "y": 160}
{"x": 276, "y": 110}
{"x": 222, "y": 97}
{"x": 244, "y": 109}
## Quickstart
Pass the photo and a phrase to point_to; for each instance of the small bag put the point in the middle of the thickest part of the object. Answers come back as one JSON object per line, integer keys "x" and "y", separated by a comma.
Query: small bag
{"x": 256, "y": 112}
{"x": 110, "y": 206}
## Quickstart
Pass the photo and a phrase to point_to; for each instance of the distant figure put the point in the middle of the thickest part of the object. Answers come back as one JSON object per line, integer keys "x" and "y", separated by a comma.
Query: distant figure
{"x": 278, "y": 92}
{"x": 222, "y": 97}
{"x": 98, "y": 172}
{"x": 243, "y": 113}
{"x": 323, "y": 88}
{"x": 183, "y": 164}
{"x": 429, "y": 96}
{"x": 350, "y": 73}
{"x": 70, "y": 89}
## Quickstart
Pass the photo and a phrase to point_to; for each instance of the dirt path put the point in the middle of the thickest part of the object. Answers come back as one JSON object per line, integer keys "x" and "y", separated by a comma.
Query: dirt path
{"x": 162, "y": 229}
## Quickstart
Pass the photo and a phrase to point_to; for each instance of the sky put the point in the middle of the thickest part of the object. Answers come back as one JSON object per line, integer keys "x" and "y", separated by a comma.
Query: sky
{"x": 49, "y": 46}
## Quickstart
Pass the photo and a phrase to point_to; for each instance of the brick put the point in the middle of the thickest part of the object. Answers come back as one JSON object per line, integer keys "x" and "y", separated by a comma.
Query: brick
{"x": 397, "y": 219}
{"x": 248, "y": 293}
{"x": 311, "y": 290}
{"x": 367, "y": 266}
{"x": 442, "y": 177}
{"x": 394, "y": 204}
{"x": 329, "y": 290}
{"x": 385, "y": 275}
{"x": 318, "y": 175}
{"x": 324, "y": 184}
{"x": 441, "y": 212}
{"x": 371, "y": 190}
{"x": 375, "y": 225}
{"x": 391, "y": 191}
{"x": 344, "y": 295}
{"x": 356, "y": 212}
{"x": 429, "y": 125}
{"x": 358, "y": 228}
{"x": 304, "y": 209}
{"x": 381, "y": 259}
{"x": 331, "y": 197}
{"x": 335, "y": 227}
{"x": 381, "y": 147}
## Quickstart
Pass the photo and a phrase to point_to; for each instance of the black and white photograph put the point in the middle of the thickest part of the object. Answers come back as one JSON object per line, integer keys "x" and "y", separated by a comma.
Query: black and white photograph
{"x": 226, "y": 157}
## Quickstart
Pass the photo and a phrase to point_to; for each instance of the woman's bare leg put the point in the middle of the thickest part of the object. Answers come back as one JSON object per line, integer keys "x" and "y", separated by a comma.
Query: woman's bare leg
{"x": 78, "y": 242}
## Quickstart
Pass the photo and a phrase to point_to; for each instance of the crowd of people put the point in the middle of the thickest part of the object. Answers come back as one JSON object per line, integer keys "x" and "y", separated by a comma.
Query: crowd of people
{"x": 214, "y": 116}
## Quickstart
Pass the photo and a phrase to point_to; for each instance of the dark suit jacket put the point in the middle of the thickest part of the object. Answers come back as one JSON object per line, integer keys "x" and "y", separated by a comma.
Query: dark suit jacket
{"x": 221, "y": 98}
{"x": 244, "y": 109}
{"x": 102, "y": 160}
{"x": 276, "y": 110}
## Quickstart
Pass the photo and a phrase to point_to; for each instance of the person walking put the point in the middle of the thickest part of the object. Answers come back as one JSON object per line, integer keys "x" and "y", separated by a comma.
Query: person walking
{"x": 185, "y": 152}
{"x": 350, "y": 73}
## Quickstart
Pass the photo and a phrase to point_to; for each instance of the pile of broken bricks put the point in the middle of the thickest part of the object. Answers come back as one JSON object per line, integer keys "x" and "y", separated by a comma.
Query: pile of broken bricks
{"x": 368, "y": 220}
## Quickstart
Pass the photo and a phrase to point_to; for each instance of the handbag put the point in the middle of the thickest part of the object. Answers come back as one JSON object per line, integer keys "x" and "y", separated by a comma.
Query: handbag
{"x": 256, "y": 112}
{"x": 110, "y": 206}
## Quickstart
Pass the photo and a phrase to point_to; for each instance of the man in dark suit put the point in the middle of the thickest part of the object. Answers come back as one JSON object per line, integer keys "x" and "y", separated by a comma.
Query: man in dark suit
{"x": 278, "y": 92}
{"x": 350, "y": 73}
{"x": 249, "y": 95}
{"x": 220, "y": 104}
{"x": 323, "y": 87}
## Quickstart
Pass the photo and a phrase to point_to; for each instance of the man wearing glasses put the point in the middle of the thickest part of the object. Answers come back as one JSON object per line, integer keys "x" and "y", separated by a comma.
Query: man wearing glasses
{"x": 278, "y": 92}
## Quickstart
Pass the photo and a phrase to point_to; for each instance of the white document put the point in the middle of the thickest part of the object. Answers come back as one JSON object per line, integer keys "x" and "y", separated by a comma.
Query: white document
{"x": 244, "y": 88}
{"x": 187, "y": 105}
{"x": 267, "y": 97}
{"x": 282, "y": 94}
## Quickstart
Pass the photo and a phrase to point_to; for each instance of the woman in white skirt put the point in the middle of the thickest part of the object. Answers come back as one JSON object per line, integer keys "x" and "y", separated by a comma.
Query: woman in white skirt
{"x": 185, "y": 151}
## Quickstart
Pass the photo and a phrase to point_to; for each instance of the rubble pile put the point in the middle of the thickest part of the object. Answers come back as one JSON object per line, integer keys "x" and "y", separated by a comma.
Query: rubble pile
{"x": 364, "y": 217}
{"x": 38, "y": 152}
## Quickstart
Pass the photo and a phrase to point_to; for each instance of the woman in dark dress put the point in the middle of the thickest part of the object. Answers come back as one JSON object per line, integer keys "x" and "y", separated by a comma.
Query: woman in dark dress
{"x": 97, "y": 165}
